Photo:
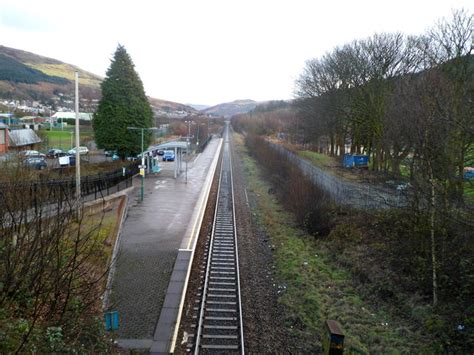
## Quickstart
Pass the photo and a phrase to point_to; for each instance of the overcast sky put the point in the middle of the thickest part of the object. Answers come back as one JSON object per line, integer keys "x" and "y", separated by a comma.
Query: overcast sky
{"x": 208, "y": 52}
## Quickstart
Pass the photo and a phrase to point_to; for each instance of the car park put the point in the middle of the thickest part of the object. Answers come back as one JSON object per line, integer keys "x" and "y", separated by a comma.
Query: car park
{"x": 7, "y": 157}
{"x": 55, "y": 153}
{"x": 113, "y": 154}
{"x": 31, "y": 154}
{"x": 168, "y": 155}
{"x": 82, "y": 150}
{"x": 37, "y": 163}
{"x": 67, "y": 160}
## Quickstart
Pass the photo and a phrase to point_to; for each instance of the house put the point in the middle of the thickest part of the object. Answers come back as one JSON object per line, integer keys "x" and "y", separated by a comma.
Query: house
{"x": 3, "y": 138}
{"x": 22, "y": 139}
{"x": 33, "y": 122}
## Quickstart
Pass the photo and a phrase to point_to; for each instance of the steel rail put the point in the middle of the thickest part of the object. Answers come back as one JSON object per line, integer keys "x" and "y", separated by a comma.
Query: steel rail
{"x": 220, "y": 324}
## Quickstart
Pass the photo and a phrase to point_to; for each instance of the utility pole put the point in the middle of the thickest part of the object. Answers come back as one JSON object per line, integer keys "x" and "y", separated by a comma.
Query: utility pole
{"x": 78, "y": 158}
{"x": 189, "y": 130}
{"x": 187, "y": 148}
{"x": 10, "y": 114}
{"x": 142, "y": 168}
{"x": 197, "y": 136}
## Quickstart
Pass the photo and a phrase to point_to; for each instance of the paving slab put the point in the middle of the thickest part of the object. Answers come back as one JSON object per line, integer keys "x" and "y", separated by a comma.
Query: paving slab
{"x": 150, "y": 240}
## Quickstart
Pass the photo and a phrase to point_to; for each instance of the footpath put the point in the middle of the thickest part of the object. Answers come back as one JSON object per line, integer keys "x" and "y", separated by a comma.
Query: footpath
{"x": 152, "y": 235}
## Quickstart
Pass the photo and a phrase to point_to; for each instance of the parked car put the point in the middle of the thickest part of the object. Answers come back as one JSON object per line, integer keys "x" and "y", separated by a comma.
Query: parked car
{"x": 168, "y": 155}
{"x": 82, "y": 150}
{"x": 6, "y": 157}
{"x": 113, "y": 154}
{"x": 160, "y": 152}
{"x": 55, "y": 153}
{"x": 67, "y": 160}
{"x": 469, "y": 174}
{"x": 31, "y": 154}
{"x": 37, "y": 163}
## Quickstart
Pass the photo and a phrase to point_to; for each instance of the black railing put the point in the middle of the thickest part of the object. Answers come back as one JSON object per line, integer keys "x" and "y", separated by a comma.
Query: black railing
{"x": 41, "y": 192}
{"x": 204, "y": 144}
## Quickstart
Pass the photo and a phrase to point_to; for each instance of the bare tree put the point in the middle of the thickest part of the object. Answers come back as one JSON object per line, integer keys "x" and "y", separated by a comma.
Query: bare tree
{"x": 48, "y": 274}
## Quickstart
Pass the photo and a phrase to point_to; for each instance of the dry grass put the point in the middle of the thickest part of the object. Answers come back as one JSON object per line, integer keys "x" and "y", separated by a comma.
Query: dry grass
{"x": 313, "y": 288}
{"x": 67, "y": 71}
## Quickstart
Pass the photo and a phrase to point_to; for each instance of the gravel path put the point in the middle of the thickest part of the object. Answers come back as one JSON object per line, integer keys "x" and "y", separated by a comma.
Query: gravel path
{"x": 263, "y": 316}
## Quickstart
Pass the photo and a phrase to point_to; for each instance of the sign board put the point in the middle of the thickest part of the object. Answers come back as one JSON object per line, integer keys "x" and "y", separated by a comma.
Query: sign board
{"x": 64, "y": 160}
{"x": 142, "y": 172}
{"x": 142, "y": 167}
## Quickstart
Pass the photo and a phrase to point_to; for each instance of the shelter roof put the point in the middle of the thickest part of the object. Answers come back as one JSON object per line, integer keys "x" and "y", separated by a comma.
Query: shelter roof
{"x": 21, "y": 137}
{"x": 170, "y": 145}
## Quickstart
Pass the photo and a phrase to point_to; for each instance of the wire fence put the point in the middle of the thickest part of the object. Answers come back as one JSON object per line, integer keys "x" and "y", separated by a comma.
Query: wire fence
{"x": 357, "y": 195}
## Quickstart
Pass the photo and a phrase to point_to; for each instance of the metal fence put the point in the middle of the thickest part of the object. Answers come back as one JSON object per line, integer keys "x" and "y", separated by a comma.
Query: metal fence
{"x": 61, "y": 191}
{"x": 343, "y": 192}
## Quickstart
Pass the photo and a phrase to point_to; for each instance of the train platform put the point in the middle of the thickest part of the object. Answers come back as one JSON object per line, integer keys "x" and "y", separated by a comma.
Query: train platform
{"x": 156, "y": 246}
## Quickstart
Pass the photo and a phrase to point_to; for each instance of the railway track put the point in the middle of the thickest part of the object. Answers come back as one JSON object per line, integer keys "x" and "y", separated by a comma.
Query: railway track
{"x": 218, "y": 308}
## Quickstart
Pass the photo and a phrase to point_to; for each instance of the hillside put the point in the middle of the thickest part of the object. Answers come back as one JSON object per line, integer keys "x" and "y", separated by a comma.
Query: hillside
{"x": 14, "y": 71}
{"x": 230, "y": 109}
{"x": 169, "y": 108}
{"x": 198, "y": 107}
{"x": 28, "y": 76}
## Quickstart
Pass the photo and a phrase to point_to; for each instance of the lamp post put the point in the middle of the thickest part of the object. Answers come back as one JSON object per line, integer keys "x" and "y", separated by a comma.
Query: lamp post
{"x": 10, "y": 113}
{"x": 197, "y": 136}
{"x": 187, "y": 147}
{"x": 142, "y": 129}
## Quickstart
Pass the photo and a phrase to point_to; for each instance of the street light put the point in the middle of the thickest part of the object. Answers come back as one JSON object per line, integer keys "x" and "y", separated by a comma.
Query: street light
{"x": 143, "y": 154}
{"x": 187, "y": 147}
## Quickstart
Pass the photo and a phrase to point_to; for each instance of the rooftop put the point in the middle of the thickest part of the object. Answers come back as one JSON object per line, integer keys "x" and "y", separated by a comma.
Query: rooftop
{"x": 22, "y": 137}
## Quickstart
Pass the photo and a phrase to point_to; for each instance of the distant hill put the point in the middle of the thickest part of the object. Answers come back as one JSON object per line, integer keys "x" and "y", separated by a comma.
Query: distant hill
{"x": 198, "y": 107}
{"x": 28, "y": 76}
{"x": 14, "y": 71}
{"x": 171, "y": 109}
{"x": 229, "y": 109}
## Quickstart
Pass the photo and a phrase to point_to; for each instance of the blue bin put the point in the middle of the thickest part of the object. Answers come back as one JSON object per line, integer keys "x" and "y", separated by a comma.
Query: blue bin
{"x": 348, "y": 161}
{"x": 358, "y": 161}
{"x": 469, "y": 175}
{"x": 111, "y": 320}
{"x": 361, "y": 161}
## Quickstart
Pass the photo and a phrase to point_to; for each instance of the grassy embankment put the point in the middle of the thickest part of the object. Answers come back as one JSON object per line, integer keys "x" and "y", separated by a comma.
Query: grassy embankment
{"x": 315, "y": 288}
{"x": 333, "y": 165}
{"x": 80, "y": 329}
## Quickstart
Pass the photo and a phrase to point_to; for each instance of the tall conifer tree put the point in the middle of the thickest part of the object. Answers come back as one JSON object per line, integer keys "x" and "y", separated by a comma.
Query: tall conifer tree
{"x": 123, "y": 104}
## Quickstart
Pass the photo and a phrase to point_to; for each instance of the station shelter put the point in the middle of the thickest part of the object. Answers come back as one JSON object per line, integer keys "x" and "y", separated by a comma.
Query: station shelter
{"x": 179, "y": 148}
